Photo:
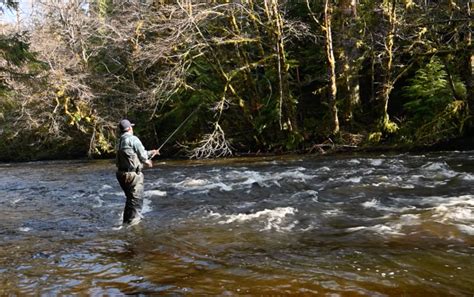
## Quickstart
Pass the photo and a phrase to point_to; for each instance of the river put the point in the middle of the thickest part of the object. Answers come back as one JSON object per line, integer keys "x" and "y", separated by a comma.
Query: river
{"x": 346, "y": 225}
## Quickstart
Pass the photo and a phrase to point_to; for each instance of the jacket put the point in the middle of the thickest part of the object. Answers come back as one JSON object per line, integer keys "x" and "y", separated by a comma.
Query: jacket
{"x": 130, "y": 153}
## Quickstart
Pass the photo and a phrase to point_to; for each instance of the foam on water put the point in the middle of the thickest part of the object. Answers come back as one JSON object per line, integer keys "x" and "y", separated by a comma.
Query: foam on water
{"x": 457, "y": 211}
{"x": 248, "y": 178}
{"x": 467, "y": 229}
{"x": 332, "y": 212}
{"x": 439, "y": 170}
{"x": 391, "y": 228}
{"x": 191, "y": 183}
{"x": 355, "y": 180}
{"x": 380, "y": 229}
{"x": 105, "y": 187}
{"x": 201, "y": 185}
{"x": 410, "y": 219}
{"x": 376, "y": 162}
{"x": 296, "y": 174}
{"x": 15, "y": 201}
{"x": 151, "y": 193}
{"x": 395, "y": 182}
{"x": 353, "y": 162}
{"x": 371, "y": 203}
{"x": 253, "y": 177}
{"x": 324, "y": 169}
{"x": 467, "y": 200}
{"x": 457, "y": 214}
{"x": 273, "y": 219}
{"x": 466, "y": 177}
{"x": 146, "y": 206}
{"x": 435, "y": 166}
{"x": 376, "y": 204}
{"x": 246, "y": 204}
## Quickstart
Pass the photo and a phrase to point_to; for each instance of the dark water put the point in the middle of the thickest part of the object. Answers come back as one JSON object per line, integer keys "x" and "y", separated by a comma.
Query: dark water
{"x": 398, "y": 225}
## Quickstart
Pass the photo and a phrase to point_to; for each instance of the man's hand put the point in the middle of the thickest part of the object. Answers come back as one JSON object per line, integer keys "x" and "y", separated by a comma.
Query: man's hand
{"x": 154, "y": 153}
{"x": 149, "y": 163}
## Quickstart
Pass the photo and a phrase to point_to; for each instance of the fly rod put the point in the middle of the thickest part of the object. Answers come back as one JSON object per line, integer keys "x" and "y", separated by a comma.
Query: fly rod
{"x": 179, "y": 127}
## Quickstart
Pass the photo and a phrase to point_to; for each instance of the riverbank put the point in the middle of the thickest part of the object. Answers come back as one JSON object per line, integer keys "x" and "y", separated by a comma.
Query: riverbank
{"x": 465, "y": 143}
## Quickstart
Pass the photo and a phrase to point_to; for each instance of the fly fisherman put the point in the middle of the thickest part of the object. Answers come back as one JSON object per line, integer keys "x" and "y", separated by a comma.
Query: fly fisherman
{"x": 131, "y": 157}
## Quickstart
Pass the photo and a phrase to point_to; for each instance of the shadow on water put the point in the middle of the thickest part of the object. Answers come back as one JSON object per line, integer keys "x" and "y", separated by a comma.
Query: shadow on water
{"x": 342, "y": 225}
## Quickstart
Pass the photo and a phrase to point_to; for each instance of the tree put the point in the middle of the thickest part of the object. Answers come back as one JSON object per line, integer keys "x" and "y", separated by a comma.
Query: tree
{"x": 234, "y": 76}
{"x": 350, "y": 56}
{"x": 467, "y": 70}
{"x": 326, "y": 26}
{"x": 389, "y": 8}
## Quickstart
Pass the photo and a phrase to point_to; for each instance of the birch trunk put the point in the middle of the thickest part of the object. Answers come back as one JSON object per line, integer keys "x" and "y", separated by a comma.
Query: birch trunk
{"x": 331, "y": 68}
{"x": 286, "y": 106}
{"x": 387, "y": 67}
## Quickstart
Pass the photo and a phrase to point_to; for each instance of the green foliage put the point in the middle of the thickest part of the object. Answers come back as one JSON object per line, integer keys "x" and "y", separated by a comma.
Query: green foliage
{"x": 390, "y": 127}
{"x": 7, "y": 104}
{"x": 433, "y": 113}
{"x": 428, "y": 91}
{"x": 447, "y": 124}
{"x": 202, "y": 75}
{"x": 375, "y": 137}
{"x": 15, "y": 52}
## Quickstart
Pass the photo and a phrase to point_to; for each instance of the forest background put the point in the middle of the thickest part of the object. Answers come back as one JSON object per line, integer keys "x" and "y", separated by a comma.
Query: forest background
{"x": 234, "y": 77}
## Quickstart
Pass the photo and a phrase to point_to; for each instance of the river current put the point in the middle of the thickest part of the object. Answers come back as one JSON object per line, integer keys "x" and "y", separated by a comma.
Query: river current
{"x": 349, "y": 225}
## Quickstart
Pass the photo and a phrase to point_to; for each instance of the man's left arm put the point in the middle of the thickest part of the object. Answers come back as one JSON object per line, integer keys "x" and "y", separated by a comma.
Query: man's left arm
{"x": 144, "y": 155}
{"x": 153, "y": 153}
{"x": 140, "y": 150}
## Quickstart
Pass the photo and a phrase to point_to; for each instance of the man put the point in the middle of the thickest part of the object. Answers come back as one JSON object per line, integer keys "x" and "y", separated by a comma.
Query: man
{"x": 131, "y": 157}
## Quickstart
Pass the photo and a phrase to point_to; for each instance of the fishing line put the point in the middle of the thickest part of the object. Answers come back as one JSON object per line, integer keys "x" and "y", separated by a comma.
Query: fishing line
{"x": 179, "y": 127}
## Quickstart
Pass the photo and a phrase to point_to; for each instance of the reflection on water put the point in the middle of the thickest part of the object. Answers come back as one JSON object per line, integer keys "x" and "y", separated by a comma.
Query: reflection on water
{"x": 350, "y": 225}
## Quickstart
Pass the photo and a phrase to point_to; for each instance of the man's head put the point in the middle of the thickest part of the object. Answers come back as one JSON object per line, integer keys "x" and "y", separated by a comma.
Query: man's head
{"x": 125, "y": 125}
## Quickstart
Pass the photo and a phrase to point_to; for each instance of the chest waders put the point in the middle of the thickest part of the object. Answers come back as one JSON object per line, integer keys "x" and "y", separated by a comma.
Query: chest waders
{"x": 130, "y": 178}
{"x": 132, "y": 185}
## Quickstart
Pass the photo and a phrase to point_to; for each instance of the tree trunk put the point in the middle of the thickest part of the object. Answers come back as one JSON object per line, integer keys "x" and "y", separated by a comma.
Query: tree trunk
{"x": 287, "y": 106}
{"x": 331, "y": 68}
{"x": 349, "y": 54}
{"x": 387, "y": 83}
{"x": 467, "y": 70}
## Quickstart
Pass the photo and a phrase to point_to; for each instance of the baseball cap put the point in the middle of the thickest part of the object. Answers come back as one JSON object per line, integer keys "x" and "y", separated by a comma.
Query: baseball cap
{"x": 125, "y": 124}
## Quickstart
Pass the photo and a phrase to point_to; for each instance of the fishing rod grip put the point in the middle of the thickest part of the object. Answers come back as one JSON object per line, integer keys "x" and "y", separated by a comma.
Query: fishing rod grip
{"x": 154, "y": 153}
